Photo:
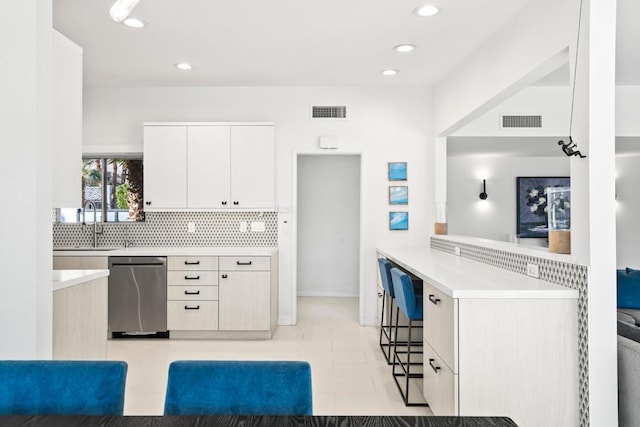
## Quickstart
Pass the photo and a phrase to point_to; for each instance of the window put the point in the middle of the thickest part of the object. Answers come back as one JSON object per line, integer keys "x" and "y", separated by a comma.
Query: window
{"x": 111, "y": 190}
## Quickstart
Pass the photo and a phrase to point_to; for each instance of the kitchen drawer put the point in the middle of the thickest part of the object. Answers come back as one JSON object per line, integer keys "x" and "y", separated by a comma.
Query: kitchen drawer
{"x": 254, "y": 263}
{"x": 190, "y": 316}
{"x": 440, "y": 385}
{"x": 192, "y": 293}
{"x": 441, "y": 325}
{"x": 192, "y": 263}
{"x": 192, "y": 278}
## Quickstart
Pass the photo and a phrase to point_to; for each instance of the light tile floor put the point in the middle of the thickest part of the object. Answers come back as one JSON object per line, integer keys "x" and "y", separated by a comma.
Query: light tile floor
{"x": 349, "y": 373}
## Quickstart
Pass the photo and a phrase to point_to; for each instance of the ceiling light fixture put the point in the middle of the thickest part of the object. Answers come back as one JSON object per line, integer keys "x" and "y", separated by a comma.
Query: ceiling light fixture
{"x": 390, "y": 72}
{"x": 121, "y": 9}
{"x": 428, "y": 10}
{"x": 404, "y": 48}
{"x": 183, "y": 66}
{"x": 134, "y": 23}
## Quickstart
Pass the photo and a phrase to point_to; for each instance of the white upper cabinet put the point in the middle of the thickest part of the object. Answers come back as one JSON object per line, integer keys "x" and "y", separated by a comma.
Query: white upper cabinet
{"x": 252, "y": 167}
{"x": 208, "y": 168}
{"x": 67, "y": 122}
{"x": 165, "y": 167}
{"x": 222, "y": 166}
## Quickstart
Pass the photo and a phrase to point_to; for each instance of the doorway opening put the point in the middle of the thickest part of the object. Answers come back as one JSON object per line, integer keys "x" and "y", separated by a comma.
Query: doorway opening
{"x": 328, "y": 238}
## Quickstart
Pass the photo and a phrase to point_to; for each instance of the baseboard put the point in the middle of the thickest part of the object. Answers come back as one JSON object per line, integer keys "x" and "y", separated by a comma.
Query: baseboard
{"x": 285, "y": 321}
{"x": 326, "y": 294}
{"x": 370, "y": 321}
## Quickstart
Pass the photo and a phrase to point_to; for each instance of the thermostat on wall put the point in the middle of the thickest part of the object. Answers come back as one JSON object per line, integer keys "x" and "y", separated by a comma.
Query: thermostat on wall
{"x": 329, "y": 142}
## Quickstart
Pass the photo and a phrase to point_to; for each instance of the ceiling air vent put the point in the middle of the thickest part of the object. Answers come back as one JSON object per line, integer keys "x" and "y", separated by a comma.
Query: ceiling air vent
{"x": 328, "y": 111}
{"x": 510, "y": 121}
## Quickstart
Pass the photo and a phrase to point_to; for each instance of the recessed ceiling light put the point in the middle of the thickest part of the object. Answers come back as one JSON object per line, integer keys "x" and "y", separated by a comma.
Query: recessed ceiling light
{"x": 404, "y": 48}
{"x": 134, "y": 23}
{"x": 428, "y": 10}
{"x": 183, "y": 66}
{"x": 390, "y": 72}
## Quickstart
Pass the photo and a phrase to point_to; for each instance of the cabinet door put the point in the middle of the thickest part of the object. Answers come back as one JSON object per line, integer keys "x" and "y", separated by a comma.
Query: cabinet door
{"x": 67, "y": 122}
{"x": 252, "y": 167}
{"x": 165, "y": 167}
{"x": 244, "y": 303}
{"x": 208, "y": 167}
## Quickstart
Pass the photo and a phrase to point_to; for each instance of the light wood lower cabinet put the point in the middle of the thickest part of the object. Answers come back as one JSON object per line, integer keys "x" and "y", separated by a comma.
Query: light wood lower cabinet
{"x": 80, "y": 263}
{"x": 440, "y": 383}
{"x": 192, "y": 315}
{"x": 222, "y": 297}
{"x": 244, "y": 300}
{"x": 80, "y": 321}
{"x": 501, "y": 356}
{"x": 192, "y": 293}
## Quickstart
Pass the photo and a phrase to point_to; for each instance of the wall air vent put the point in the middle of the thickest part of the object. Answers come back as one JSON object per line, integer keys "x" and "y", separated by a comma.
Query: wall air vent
{"x": 329, "y": 112}
{"x": 511, "y": 121}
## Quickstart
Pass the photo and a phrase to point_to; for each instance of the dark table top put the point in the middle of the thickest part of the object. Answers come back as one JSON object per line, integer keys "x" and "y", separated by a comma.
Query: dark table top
{"x": 256, "y": 421}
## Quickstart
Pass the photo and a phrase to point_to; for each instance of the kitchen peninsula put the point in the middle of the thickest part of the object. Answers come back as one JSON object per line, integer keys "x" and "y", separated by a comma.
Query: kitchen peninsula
{"x": 80, "y": 314}
{"x": 495, "y": 342}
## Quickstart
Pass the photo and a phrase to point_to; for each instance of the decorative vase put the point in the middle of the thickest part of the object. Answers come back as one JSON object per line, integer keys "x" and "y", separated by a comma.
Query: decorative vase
{"x": 559, "y": 219}
{"x": 440, "y": 226}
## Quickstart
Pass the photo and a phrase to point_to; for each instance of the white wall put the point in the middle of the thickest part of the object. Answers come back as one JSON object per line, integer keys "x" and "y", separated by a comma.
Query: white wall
{"x": 553, "y": 103}
{"x": 627, "y": 208}
{"x": 495, "y": 217}
{"x": 328, "y": 236}
{"x": 528, "y": 47}
{"x": 385, "y": 124}
{"x": 627, "y": 107}
{"x": 25, "y": 217}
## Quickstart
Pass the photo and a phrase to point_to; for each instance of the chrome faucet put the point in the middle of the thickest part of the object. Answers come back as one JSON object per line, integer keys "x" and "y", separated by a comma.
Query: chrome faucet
{"x": 95, "y": 223}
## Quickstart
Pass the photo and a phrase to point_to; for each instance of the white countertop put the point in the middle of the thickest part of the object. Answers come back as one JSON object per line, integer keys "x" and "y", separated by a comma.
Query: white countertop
{"x": 464, "y": 278}
{"x": 168, "y": 251}
{"x": 66, "y": 278}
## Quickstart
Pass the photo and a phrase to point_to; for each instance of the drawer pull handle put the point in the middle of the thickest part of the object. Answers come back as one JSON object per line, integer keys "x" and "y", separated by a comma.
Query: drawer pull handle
{"x": 224, "y": 203}
{"x": 192, "y": 293}
{"x": 191, "y": 278}
{"x": 192, "y": 263}
{"x": 434, "y": 367}
{"x": 243, "y": 263}
{"x": 379, "y": 295}
{"x": 197, "y": 307}
{"x": 224, "y": 276}
{"x": 236, "y": 203}
{"x": 434, "y": 300}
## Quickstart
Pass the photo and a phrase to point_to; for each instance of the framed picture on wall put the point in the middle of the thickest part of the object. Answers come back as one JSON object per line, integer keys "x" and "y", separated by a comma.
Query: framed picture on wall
{"x": 398, "y": 220}
{"x": 397, "y": 171}
{"x": 531, "y": 195}
{"x": 398, "y": 195}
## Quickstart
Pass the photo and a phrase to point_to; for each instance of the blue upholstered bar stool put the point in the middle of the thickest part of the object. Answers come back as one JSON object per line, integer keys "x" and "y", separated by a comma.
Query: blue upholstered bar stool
{"x": 57, "y": 387}
{"x": 386, "y": 329}
{"x": 410, "y": 303}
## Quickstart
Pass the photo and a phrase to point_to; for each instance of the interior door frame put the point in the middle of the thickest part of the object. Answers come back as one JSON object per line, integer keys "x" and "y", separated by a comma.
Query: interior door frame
{"x": 294, "y": 227}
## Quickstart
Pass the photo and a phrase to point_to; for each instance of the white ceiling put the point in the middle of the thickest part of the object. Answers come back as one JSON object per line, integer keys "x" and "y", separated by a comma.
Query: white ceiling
{"x": 277, "y": 42}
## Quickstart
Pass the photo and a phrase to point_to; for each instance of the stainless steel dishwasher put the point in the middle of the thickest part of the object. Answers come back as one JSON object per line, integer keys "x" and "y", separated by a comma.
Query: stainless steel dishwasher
{"x": 137, "y": 296}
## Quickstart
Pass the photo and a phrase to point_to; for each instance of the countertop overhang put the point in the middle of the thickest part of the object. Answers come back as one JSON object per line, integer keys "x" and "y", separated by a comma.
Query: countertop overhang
{"x": 66, "y": 278}
{"x": 464, "y": 278}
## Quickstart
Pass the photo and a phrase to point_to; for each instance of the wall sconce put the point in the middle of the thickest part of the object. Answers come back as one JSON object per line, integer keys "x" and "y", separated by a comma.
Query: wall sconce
{"x": 484, "y": 195}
